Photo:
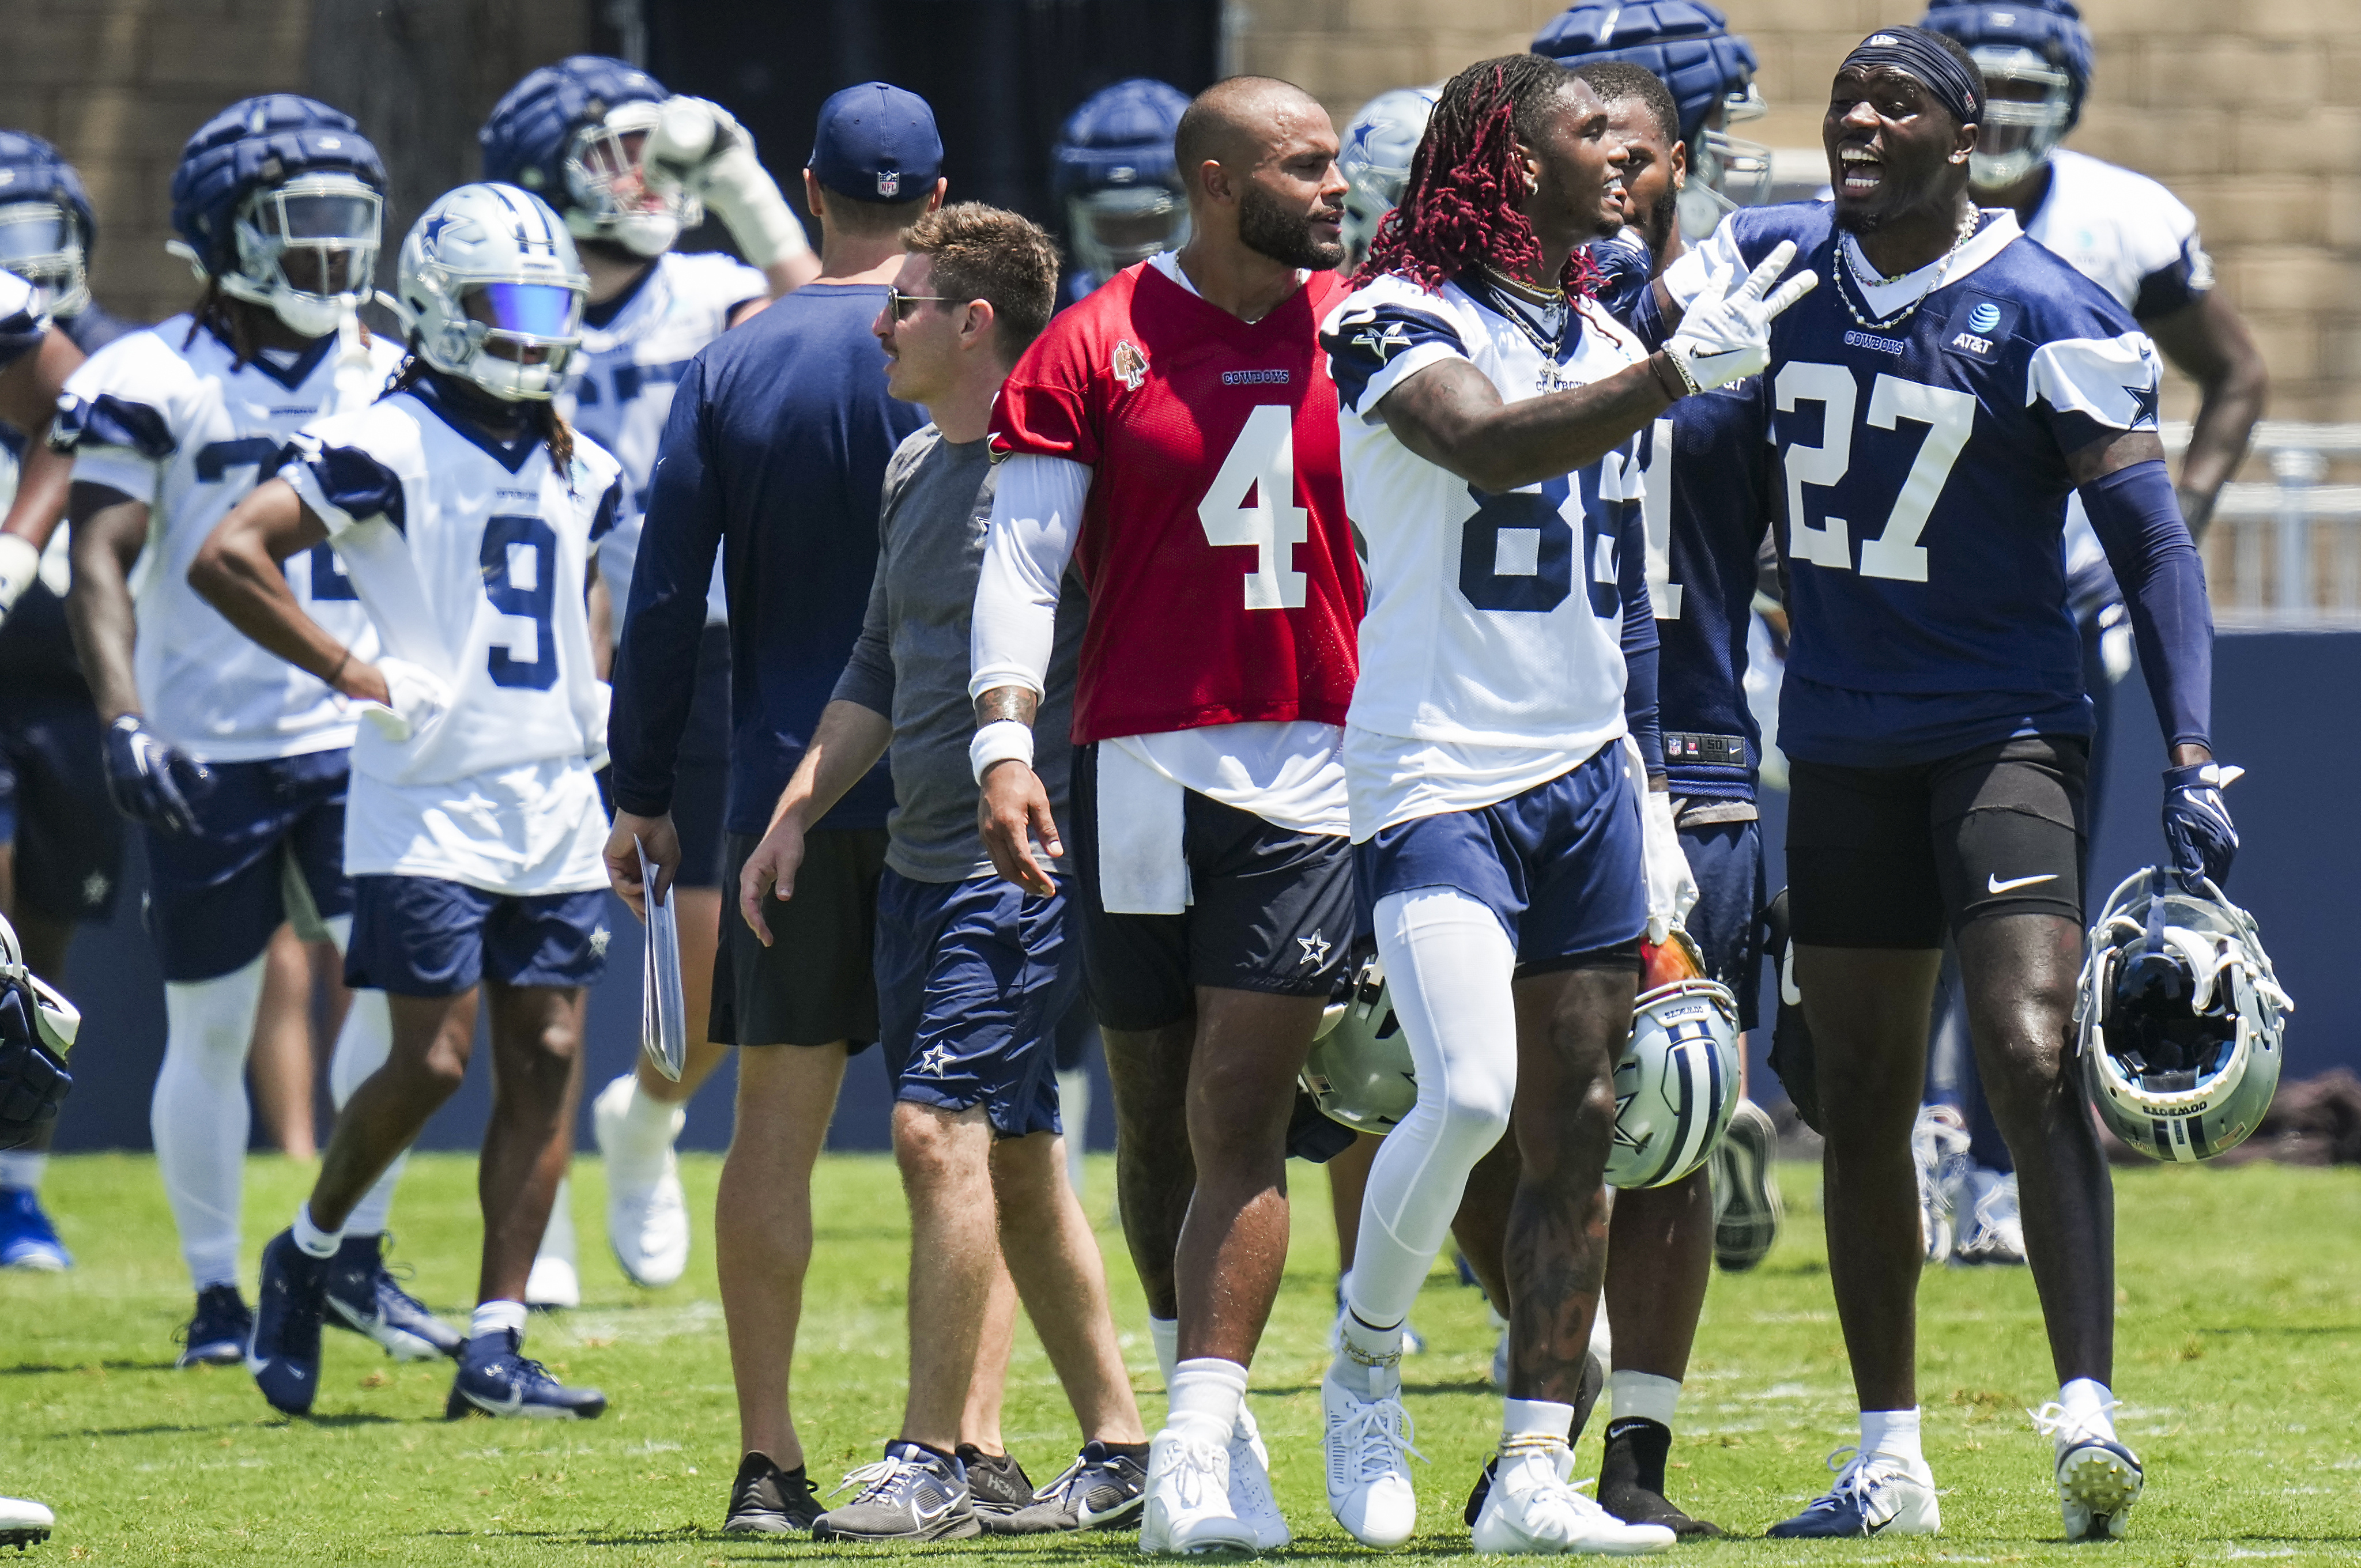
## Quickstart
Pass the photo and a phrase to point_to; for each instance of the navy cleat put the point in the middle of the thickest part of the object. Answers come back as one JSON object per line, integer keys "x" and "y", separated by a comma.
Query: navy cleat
{"x": 1875, "y": 1494}
{"x": 364, "y": 1296}
{"x": 284, "y": 1353}
{"x": 2098, "y": 1478}
{"x": 497, "y": 1379}
{"x": 28, "y": 1240}
{"x": 216, "y": 1336}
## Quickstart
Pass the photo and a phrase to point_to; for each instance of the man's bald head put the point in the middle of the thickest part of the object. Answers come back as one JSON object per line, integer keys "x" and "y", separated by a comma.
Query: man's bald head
{"x": 1238, "y": 122}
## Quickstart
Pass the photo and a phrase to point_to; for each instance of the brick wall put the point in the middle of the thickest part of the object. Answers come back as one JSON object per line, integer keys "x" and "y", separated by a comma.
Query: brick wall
{"x": 2259, "y": 131}
{"x": 119, "y": 85}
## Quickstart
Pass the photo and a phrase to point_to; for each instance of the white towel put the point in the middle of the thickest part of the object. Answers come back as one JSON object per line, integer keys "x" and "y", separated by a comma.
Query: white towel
{"x": 1142, "y": 867}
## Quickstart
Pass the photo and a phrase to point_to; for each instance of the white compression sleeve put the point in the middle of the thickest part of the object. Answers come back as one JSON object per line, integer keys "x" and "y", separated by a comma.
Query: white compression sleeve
{"x": 200, "y": 1115}
{"x": 1449, "y": 966}
{"x": 362, "y": 1045}
{"x": 1037, "y": 513}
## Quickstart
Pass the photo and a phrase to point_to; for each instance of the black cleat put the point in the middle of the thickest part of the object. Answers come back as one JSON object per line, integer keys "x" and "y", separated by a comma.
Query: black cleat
{"x": 216, "y": 1335}
{"x": 997, "y": 1484}
{"x": 1632, "y": 1479}
{"x": 365, "y": 1298}
{"x": 284, "y": 1354}
{"x": 1104, "y": 1489}
{"x": 767, "y": 1500}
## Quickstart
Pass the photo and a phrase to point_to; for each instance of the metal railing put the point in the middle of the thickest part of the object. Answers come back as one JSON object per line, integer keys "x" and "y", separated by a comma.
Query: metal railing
{"x": 2287, "y": 553}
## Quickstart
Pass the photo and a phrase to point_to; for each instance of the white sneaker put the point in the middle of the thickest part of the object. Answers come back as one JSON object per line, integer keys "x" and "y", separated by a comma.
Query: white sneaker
{"x": 24, "y": 1522}
{"x": 1530, "y": 1509}
{"x": 1939, "y": 1147}
{"x": 1873, "y": 1496}
{"x": 553, "y": 1281}
{"x": 1368, "y": 1449}
{"x": 1188, "y": 1508}
{"x": 1990, "y": 1230}
{"x": 647, "y": 1213}
{"x": 1249, "y": 1486}
{"x": 2098, "y": 1478}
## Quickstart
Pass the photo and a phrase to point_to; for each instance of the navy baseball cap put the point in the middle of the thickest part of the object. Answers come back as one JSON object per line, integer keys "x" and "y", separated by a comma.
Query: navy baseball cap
{"x": 877, "y": 142}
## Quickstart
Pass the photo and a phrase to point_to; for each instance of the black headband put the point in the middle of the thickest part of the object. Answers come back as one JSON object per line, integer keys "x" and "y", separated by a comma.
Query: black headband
{"x": 1915, "y": 53}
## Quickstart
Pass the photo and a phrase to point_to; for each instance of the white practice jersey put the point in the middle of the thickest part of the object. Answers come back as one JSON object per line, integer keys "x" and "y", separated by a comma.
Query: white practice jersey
{"x": 1491, "y": 653}
{"x": 620, "y": 393}
{"x": 472, "y": 558}
{"x": 191, "y": 432}
{"x": 2124, "y": 232}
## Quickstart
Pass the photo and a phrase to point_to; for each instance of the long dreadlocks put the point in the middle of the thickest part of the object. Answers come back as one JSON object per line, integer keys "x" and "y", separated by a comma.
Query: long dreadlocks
{"x": 541, "y": 414}
{"x": 1460, "y": 206}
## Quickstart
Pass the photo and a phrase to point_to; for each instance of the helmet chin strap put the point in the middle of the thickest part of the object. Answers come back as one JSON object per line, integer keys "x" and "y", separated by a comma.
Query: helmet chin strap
{"x": 353, "y": 378}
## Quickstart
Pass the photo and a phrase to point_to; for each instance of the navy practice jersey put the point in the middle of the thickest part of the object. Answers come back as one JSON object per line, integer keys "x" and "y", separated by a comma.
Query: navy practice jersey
{"x": 1920, "y": 482}
{"x": 1707, "y": 472}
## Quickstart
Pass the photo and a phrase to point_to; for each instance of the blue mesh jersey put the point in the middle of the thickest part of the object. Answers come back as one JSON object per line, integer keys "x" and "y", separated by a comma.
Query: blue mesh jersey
{"x": 1707, "y": 502}
{"x": 1920, "y": 481}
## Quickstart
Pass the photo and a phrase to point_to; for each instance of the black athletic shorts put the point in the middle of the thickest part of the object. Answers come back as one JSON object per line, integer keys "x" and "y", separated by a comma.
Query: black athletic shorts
{"x": 1899, "y": 857}
{"x": 814, "y": 984}
{"x": 700, "y": 785}
{"x": 1270, "y": 910}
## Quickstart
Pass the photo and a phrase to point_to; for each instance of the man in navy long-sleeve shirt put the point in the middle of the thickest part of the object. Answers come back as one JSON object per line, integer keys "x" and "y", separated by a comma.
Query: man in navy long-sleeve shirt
{"x": 776, "y": 455}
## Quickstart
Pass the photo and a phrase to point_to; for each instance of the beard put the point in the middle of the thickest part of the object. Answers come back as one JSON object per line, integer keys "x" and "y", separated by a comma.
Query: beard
{"x": 1658, "y": 223}
{"x": 1266, "y": 227}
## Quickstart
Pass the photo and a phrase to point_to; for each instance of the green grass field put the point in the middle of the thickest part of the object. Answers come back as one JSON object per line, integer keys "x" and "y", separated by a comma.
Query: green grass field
{"x": 2240, "y": 1313}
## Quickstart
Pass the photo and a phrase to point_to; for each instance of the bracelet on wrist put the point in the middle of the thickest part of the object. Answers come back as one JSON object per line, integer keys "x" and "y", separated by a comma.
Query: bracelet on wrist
{"x": 1680, "y": 384}
{"x": 338, "y": 668}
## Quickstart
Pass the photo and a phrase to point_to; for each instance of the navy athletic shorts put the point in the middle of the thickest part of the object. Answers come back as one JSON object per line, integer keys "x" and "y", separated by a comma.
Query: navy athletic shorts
{"x": 974, "y": 978}
{"x": 270, "y": 838}
{"x": 53, "y": 806}
{"x": 417, "y": 936}
{"x": 1726, "y": 857}
{"x": 1270, "y": 910}
{"x": 1559, "y": 863}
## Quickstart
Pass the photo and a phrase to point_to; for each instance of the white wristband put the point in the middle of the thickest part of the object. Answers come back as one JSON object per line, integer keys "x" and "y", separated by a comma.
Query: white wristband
{"x": 19, "y": 565}
{"x": 1002, "y": 740}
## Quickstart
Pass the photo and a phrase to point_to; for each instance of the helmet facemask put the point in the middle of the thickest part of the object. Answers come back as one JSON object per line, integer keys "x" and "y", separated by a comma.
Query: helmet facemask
{"x": 1117, "y": 226}
{"x": 608, "y": 195}
{"x": 307, "y": 248}
{"x": 2027, "y": 104}
{"x": 42, "y": 242}
{"x": 1726, "y": 172}
{"x": 517, "y": 338}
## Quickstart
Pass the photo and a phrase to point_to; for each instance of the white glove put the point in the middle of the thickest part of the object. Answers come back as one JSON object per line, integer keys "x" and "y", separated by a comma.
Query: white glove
{"x": 697, "y": 148}
{"x": 19, "y": 565}
{"x": 1726, "y": 336}
{"x": 1672, "y": 886}
{"x": 419, "y": 698}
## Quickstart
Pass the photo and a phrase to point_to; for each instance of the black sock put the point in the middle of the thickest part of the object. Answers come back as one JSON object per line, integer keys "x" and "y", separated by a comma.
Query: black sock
{"x": 1128, "y": 1450}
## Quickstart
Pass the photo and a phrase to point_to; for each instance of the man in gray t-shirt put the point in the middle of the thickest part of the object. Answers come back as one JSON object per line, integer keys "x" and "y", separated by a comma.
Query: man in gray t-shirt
{"x": 974, "y": 973}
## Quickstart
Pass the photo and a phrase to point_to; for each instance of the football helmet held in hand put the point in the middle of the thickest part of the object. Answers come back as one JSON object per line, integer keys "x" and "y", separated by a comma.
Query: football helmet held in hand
{"x": 1359, "y": 1071}
{"x": 2179, "y": 1020}
{"x": 36, "y": 1032}
{"x": 1676, "y": 1087}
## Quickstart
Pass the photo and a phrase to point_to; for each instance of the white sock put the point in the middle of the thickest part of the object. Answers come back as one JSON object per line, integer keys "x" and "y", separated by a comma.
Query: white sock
{"x": 362, "y": 1045}
{"x": 1894, "y": 1434}
{"x": 1206, "y": 1394}
{"x": 491, "y": 1317}
{"x": 311, "y": 1237}
{"x": 557, "y": 1237}
{"x": 1449, "y": 966}
{"x": 2088, "y": 1404}
{"x": 199, "y": 1117}
{"x": 1074, "y": 1116}
{"x": 1375, "y": 1371}
{"x": 22, "y": 1170}
{"x": 645, "y": 1127}
{"x": 1165, "y": 1332}
{"x": 1643, "y": 1396}
{"x": 1531, "y": 1419}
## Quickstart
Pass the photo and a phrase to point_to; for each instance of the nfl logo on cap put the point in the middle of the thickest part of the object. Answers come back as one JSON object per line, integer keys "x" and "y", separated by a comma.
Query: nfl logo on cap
{"x": 876, "y": 142}
{"x": 889, "y": 183}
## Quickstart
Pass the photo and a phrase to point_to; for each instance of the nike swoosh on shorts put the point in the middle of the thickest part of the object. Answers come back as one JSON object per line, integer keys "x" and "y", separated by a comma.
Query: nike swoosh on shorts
{"x": 1994, "y": 885}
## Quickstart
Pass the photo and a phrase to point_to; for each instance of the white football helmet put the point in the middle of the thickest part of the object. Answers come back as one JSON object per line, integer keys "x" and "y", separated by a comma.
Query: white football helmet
{"x": 1359, "y": 1071}
{"x": 2019, "y": 129}
{"x": 1375, "y": 162}
{"x": 1676, "y": 1087}
{"x": 55, "y": 1019}
{"x": 491, "y": 291}
{"x": 2179, "y": 1020}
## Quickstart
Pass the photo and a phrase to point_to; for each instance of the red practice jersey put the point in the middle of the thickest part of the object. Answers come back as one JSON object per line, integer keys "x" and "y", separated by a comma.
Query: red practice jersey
{"x": 1223, "y": 581}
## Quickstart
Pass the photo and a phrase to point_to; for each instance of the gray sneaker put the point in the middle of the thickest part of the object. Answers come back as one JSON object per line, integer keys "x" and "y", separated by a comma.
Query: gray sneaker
{"x": 1100, "y": 1490}
{"x": 996, "y": 1484}
{"x": 910, "y": 1494}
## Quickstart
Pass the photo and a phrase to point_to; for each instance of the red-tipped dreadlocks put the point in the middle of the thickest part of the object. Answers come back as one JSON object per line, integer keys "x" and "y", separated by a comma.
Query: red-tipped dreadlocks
{"x": 1459, "y": 209}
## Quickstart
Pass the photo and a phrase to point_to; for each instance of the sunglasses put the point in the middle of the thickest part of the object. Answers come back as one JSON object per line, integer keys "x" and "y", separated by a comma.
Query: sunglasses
{"x": 895, "y": 301}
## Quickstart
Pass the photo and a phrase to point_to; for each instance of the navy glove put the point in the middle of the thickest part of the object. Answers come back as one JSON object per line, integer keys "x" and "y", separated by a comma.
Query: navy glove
{"x": 33, "y": 1081}
{"x": 2197, "y": 826}
{"x": 151, "y": 781}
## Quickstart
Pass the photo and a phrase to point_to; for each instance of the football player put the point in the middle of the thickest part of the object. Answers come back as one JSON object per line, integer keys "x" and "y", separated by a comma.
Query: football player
{"x": 37, "y": 1029}
{"x": 1173, "y": 437}
{"x": 233, "y": 764}
{"x": 465, "y": 513}
{"x": 629, "y": 166}
{"x": 61, "y": 845}
{"x": 1111, "y": 172}
{"x": 1504, "y": 723}
{"x": 1935, "y": 719}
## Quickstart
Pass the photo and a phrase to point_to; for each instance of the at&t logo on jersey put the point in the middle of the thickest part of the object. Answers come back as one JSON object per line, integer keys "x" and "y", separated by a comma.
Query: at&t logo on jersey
{"x": 1979, "y": 325}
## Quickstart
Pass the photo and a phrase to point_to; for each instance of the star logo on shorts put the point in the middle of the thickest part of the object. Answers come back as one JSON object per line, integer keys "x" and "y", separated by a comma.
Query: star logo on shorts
{"x": 934, "y": 1061}
{"x": 94, "y": 889}
{"x": 598, "y": 941}
{"x": 1315, "y": 949}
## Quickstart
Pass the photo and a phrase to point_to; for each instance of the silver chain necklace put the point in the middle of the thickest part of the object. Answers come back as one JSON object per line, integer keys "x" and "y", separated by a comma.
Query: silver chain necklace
{"x": 1508, "y": 292}
{"x": 1862, "y": 284}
